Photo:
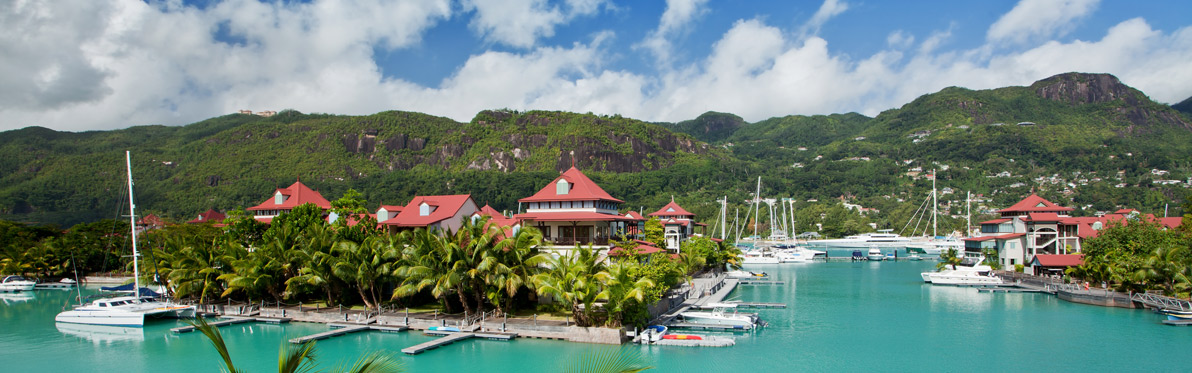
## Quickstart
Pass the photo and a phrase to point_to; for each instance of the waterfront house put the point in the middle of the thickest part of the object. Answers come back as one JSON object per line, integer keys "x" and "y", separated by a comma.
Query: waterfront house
{"x": 677, "y": 223}
{"x": 444, "y": 213}
{"x": 286, "y": 199}
{"x": 572, "y": 210}
{"x": 1035, "y": 226}
{"x": 208, "y": 217}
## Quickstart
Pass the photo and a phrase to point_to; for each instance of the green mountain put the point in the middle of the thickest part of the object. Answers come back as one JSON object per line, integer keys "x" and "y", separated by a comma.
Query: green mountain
{"x": 1184, "y": 106}
{"x": 1084, "y": 140}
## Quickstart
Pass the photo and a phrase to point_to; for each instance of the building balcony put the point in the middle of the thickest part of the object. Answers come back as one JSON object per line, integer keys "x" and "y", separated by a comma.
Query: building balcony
{"x": 582, "y": 241}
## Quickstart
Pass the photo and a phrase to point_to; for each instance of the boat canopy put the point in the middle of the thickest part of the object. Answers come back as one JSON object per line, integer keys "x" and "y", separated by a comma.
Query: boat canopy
{"x": 145, "y": 292}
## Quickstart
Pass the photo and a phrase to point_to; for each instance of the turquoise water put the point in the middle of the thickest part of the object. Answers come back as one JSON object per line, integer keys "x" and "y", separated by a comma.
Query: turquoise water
{"x": 841, "y": 316}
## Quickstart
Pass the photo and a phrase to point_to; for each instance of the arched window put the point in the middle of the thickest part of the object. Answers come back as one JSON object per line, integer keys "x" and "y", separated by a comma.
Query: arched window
{"x": 562, "y": 187}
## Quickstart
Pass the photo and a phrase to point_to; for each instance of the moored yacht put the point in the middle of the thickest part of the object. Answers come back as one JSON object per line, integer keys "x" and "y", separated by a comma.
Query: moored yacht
{"x": 759, "y": 257}
{"x": 16, "y": 284}
{"x": 883, "y": 238}
{"x": 875, "y": 254}
{"x": 964, "y": 275}
{"x": 126, "y": 310}
{"x": 720, "y": 315}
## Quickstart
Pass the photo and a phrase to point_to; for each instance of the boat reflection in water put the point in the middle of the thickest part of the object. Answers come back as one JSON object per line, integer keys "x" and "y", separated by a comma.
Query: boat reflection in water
{"x": 101, "y": 334}
{"x": 957, "y": 299}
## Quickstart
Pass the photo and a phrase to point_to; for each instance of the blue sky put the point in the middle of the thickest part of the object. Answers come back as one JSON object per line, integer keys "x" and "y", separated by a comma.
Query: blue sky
{"x": 120, "y": 63}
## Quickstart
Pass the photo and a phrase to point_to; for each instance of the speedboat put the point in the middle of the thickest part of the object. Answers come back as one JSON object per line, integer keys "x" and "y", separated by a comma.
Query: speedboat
{"x": 875, "y": 254}
{"x": 16, "y": 284}
{"x": 720, "y": 315}
{"x": 759, "y": 257}
{"x": 653, "y": 333}
{"x": 883, "y": 238}
{"x": 744, "y": 274}
{"x": 1175, "y": 314}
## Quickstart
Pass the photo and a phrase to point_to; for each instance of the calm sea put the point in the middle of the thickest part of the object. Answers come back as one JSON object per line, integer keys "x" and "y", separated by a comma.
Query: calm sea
{"x": 841, "y": 316}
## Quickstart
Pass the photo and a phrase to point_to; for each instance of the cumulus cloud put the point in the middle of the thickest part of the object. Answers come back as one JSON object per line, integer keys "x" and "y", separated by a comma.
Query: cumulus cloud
{"x": 100, "y": 65}
{"x": 520, "y": 23}
{"x": 1038, "y": 19}
{"x": 677, "y": 15}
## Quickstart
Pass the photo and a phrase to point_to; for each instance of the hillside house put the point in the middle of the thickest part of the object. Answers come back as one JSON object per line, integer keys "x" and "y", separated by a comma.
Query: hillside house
{"x": 677, "y": 223}
{"x": 209, "y": 216}
{"x": 286, "y": 199}
{"x": 445, "y": 213}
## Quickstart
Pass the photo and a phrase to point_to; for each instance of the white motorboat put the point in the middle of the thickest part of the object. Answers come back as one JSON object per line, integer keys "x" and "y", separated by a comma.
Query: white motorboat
{"x": 883, "y": 238}
{"x": 721, "y": 315}
{"x": 875, "y": 254}
{"x": 758, "y": 257}
{"x": 16, "y": 284}
{"x": 964, "y": 275}
{"x": 744, "y": 274}
{"x": 126, "y": 310}
{"x": 653, "y": 333}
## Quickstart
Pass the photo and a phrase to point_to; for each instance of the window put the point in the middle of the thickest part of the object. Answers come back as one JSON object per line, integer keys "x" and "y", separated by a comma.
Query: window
{"x": 279, "y": 198}
{"x": 382, "y": 215}
{"x": 424, "y": 209}
{"x": 562, "y": 187}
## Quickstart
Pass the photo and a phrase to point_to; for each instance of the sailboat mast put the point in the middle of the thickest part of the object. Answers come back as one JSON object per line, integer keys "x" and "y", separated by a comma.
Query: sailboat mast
{"x": 132, "y": 222}
{"x": 723, "y": 217}
{"x": 935, "y": 204}
{"x": 968, "y": 214}
{"x": 757, "y": 198}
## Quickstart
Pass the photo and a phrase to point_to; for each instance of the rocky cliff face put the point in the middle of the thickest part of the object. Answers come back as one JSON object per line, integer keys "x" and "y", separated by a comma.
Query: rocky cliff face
{"x": 1083, "y": 89}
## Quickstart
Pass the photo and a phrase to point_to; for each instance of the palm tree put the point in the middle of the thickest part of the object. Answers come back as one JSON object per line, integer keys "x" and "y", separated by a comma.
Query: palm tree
{"x": 426, "y": 265}
{"x": 365, "y": 265}
{"x": 948, "y": 258}
{"x": 621, "y": 289}
{"x": 316, "y": 252}
{"x": 193, "y": 268}
{"x": 298, "y": 359}
{"x": 571, "y": 279}
{"x": 519, "y": 261}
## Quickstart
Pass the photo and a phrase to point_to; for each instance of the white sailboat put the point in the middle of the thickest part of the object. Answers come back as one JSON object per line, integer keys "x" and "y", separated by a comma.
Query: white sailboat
{"x": 131, "y": 310}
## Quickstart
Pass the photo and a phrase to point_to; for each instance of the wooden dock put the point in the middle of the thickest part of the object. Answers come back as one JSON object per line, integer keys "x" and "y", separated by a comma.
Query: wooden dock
{"x": 1010, "y": 290}
{"x": 330, "y": 333}
{"x": 53, "y": 285}
{"x": 430, "y": 345}
{"x": 758, "y": 305}
{"x": 761, "y": 282}
{"x": 228, "y": 321}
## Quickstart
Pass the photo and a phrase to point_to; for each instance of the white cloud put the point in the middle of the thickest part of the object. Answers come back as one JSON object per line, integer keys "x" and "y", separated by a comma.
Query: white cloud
{"x": 520, "y": 23}
{"x": 827, "y": 10}
{"x": 1039, "y": 19}
{"x": 99, "y": 65}
{"x": 677, "y": 15}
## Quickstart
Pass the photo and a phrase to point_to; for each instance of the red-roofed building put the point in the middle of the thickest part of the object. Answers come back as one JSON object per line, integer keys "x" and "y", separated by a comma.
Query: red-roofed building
{"x": 495, "y": 217}
{"x": 433, "y": 212}
{"x": 635, "y": 225}
{"x": 209, "y": 216}
{"x": 286, "y": 199}
{"x": 643, "y": 248}
{"x": 677, "y": 224}
{"x": 149, "y": 222}
{"x": 1035, "y": 227}
{"x": 386, "y": 212}
{"x": 572, "y": 210}
{"x": 1055, "y": 264}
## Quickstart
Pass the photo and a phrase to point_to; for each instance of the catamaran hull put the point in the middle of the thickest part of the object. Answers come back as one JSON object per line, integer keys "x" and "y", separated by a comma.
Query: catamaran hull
{"x": 127, "y": 319}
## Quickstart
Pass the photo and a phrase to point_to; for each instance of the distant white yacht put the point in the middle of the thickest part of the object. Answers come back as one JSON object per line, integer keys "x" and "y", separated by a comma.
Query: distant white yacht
{"x": 883, "y": 238}
{"x": 16, "y": 284}
{"x": 964, "y": 275}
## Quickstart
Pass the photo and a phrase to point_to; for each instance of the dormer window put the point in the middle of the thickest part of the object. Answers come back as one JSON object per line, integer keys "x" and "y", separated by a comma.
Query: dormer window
{"x": 279, "y": 198}
{"x": 562, "y": 187}
{"x": 424, "y": 209}
{"x": 382, "y": 215}
{"x": 671, "y": 209}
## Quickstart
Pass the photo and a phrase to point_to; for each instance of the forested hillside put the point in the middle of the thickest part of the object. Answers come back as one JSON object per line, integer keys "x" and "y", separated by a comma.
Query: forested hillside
{"x": 1083, "y": 140}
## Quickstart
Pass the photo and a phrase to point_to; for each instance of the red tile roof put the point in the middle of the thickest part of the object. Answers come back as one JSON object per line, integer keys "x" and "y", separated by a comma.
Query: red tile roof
{"x": 634, "y": 215}
{"x": 672, "y": 209}
{"x": 444, "y": 207}
{"x": 296, "y": 195}
{"x": 1046, "y": 260}
{"x": 996, "y": 221}
{"x": 582, "y": 189}
{"x": 1034, "y": 203}
{"x": 1043, "y": 217}
{"x": 208, "y": 216}
{"x": 570, "y": 216}
{"x": 495, "y": 217}
{"x": 151, "y": 220}
{"x": 392, "y": 208}
{"x": 643, "y": 248}
{"x": 1125, "y": 211}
